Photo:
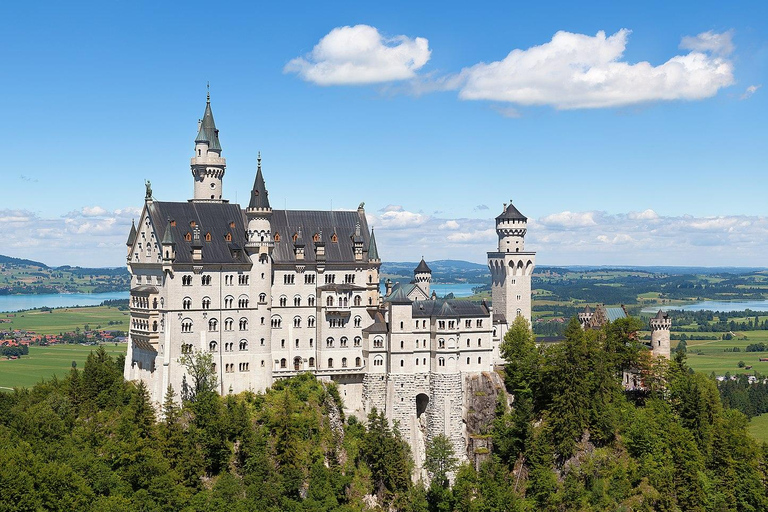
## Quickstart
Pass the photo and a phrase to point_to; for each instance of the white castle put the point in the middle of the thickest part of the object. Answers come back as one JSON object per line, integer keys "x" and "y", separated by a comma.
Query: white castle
{"x": 273, "y": 293}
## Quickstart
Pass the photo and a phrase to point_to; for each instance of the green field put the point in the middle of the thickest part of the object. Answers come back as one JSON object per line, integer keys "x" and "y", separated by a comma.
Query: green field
{"x": 44, "y": 362}
{"x": 708, "y": 356}
{"x": 758, "y": 427}
{"x": 66, "y": 319}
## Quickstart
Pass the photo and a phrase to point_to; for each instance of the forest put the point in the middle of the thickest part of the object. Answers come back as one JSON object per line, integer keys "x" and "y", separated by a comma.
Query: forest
{"x": 572, "y": 439}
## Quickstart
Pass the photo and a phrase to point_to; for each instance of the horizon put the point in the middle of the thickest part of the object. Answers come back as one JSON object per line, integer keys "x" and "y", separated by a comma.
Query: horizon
{"x": 649, "y": 153}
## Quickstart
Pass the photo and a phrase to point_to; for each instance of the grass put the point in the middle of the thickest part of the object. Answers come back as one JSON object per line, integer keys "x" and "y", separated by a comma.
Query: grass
{"x": 45, "y": 362}
{"x": 758, "y": 427}
{"x": 66, "y": 319}
{"x": 709, "y": 356}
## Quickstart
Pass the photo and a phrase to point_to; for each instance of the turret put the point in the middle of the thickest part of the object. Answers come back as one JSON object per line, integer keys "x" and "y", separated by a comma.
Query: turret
{"x": 660, "y": 325}
{"x": 131, "y": 238}
{"x": 422, "y": 276}
{"x": 511, "y": 227}
{"x": 259, "y": 215}
{"x": 357, "y": 243}
{"x": 373, "y": 251}
{"x": 207, "y": 164}
{"x": 168, "y": 244}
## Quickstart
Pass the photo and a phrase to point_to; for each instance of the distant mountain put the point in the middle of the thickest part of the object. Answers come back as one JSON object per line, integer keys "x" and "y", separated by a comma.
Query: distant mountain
{"x": 8, "y": 260}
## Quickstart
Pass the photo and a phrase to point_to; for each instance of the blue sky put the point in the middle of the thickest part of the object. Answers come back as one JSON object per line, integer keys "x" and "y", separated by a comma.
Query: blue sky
{"x": 414, "y": 108}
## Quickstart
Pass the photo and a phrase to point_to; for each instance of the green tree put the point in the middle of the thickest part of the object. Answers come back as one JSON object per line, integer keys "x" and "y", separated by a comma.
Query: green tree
{"x": 199, "y": 367}
{"x": 440, "y": 459}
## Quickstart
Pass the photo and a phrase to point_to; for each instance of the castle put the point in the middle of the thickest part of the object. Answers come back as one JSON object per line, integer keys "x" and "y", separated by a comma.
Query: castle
{"x": 272, "y": 293}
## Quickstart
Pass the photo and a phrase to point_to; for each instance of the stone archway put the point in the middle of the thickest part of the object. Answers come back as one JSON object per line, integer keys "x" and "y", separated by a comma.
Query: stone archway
{"x": 422, "y": 401}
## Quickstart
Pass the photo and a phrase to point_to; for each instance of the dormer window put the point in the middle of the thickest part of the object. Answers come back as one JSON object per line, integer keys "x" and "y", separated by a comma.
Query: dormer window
{"x": 228, "y": 237}
{"x": 277, "y": 237}
{"x": 295, "y": 237}
{"x": 232, "y": 224}
{"x": 208, "y": 237}
{"x": 192, "y": 224}
{"x": 316, "y": 237}
{"x": 334, "y": 238}
{"x": 188, "y": 237}
{"x": 173, "y": 223}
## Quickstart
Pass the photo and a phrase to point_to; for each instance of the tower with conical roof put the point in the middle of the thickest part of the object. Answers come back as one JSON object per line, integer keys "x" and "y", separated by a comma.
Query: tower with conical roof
{"x": 422, "y": 276}
{"x": 511, "y": 269}
{"x": 660, "y": 325}
{"x": 207, "y": 164}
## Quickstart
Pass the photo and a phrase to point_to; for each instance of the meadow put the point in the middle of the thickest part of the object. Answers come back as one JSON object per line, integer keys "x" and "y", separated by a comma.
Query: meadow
{"x": 66, "y": 319}
{"x": 45, "y": 362}
{"x": 710, "y": 356}
{"x": 758, "y": 427}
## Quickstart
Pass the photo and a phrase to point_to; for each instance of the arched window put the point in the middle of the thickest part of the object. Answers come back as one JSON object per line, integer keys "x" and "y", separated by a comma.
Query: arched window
{"x": 358, "y": 320}
{"x": 297, "y": 321}
{"x": 262, "y": 297}
{"x": 206, "y": 303}
{"x": 186, "y": 325}
{"x": 212, "y": 346}
{"x": 312, "y": 362}
{"x": 343, "y": 342}
{"x": 297, "y": 300}
{"x": 378, "y": 342}
{"x": 186, "y": 303}
{"x": 441, "y": 361}
{"x": 228, "y": 324}
{"x": 283, "y": 301}
{"x": 329, "y": 342}
{"x": 311, "y": 321}
{"x": 154, "y": 326}
{"x": 282, "y": 363}
{"x": 277, "y": 322}
{"x": 330, "y": 362}
{"x": 329, "y": 302}
{"x": 357, "y": 362}
{"x": 212, "y": 324}
{"x": 358, "y": 300}
{"x": 243, "y": 324}
{"x": 358, "y": 341}
{"x": 243, "y": 344}
{"x": 343, "y": 362}
{"x": 311, "y": 300}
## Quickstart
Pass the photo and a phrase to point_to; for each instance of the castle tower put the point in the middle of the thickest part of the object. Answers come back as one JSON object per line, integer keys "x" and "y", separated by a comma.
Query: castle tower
{"x": 422, "y": 276}
{"x": 660, "y": 329}
{"x": 511, "y": 268}
{"x": 207, "y": 165}
{"x": 259, "y": 246}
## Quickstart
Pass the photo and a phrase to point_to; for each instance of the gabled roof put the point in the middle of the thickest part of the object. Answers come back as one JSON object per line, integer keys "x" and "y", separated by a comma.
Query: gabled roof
{"x": 449, "y": 308}
{"x": 373, "y": 251}
{"x": 208, "y": 132}
{"x": 511, "y": 213}
{"x": 132, "y": 235}
{"x": 379, "y": 325}
{"x": 398, "y": 296}
{"x": 422, "y": 268}
{"x": 259, "y": 194}
{"x": 615, "y": 313}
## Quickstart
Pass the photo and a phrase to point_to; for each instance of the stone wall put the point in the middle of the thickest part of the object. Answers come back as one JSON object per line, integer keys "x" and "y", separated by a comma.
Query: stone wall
{"x": 445, "y": 413}
{"x": 481, "y": 391}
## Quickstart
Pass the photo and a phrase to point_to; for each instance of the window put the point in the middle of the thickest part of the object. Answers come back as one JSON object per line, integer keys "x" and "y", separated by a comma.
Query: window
{"x": 467, "y": 341}
{"x": 289, "y": 278}
{"x": 243, "y": 344}
{"x": 297, "y": 342}
{"x": 378, "y": 361}
{"x": 479, "y": 360}
{"x": 358, "y": 320}
{"x": 309, "y": 278}
{"x": 283, "y": 363}
{"x": 212, "y": 346}
{"x": 228, "y": 324}
{"x": 343, "y": 362}
{"x": 228, "y": 301}
{"x": 186, "y": 280}
{"x": 283, "y": 301}
{"x": 330, "y": 362}
{"x": 186, "y": 303}
{"x": 312, "y": 362}
{"x": 228, "y": 347}
{"x": 441, "y": 324}
{"x": 186, "y": 348}
{"x": 263, "y": 298}
{"x": 402, "y": 363}
{"x": 311, "y": 300}
{"x": 262, "y": 342}
{"x": 206, "y": 280}
{"x": 378, "y": 342}
{"x": 297, "y": 321}
{"x": 212, "y": 324}
{"x": 329, "y": 343}
{"x": 441, "y": 361}
{"x": 186, "y": 325}
{"x": 242, "y": 302}
{"x": 451, "y": 324}
{"x": 277, "y": 322}
{"x": 519, "y": 312}
{"x": 311, "y": 321}
{"x": 243, "y": 324}
{"x": 441, "y": 343}
{"x": 479, "y": 342}
{"x": 467, "y": 360}
{"x": 329, "y": 302}
{"x": 357, "y": 362}
{"x": 343, "y": 342}
{"x": 480, "y": 322}
{"x": 468, "y": 323}
{"x": 330, "y": 278}
{"x": 297, "y": 301}
{"x": 358, "y": 341}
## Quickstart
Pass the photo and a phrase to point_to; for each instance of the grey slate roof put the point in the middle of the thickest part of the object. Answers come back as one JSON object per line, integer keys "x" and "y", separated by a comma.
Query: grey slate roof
{"x": 132, "y": 235}
{"x": 286, "y": 223}
{"x": 259, "y": 194}
{"x": 379, "y": 325}
{"x": 213, "y": 218}
{"x": 449, "y": 309}
{"x": 661, "y": 315}
{"x": 399, "y": 294}
{"x": 512, "y": 213}
{"x": 614, "y": 314}
{"x": 208, "y": 132}
{"x": 168, "y": 235}
{"x": 423, "y": 267}
{"x": 373, "y": 251}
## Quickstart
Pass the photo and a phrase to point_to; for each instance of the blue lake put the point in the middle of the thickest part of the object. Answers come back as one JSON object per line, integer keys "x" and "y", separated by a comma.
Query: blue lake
{"x": 56, "y": 300}
{"x": 458, "y": 290}
{"x": 715, "y": 305}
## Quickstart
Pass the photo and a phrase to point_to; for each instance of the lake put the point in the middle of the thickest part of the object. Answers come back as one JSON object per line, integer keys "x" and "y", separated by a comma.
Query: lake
{"x": 56, "y": 300}
{"x": 715, "y": 305}
{"x": 458, "y": 290}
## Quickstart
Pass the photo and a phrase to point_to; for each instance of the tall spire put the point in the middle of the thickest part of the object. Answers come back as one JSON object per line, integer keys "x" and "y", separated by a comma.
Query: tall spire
{"x": 132, "y": 235}
{"x": 259, "y": 194}
{"x": 373, "y": 251}
{"x": 208, "y": 132}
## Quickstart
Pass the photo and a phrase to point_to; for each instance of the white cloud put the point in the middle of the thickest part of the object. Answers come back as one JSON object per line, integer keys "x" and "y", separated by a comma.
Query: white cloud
{"x": 644, "y": 215}
{"x": 752, "y": 89}
{"x": 580, "y": 71}
{"x": 449, "y": 224}
{"x": 719, "y": 44}
{"x": 361, "y": 55}
{"x": 568, "y": 219}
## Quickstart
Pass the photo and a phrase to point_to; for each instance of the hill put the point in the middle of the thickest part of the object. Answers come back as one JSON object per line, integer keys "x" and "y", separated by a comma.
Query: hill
{"x": 25, "y": 277}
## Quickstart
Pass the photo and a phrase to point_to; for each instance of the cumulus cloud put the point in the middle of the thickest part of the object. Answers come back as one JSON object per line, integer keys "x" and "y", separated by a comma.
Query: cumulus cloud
{"x": 568, "y": 219}
{"x": 644, "y": 215}
{"x": 68, "y": 239}
{"x": 361, "y": 55}
{"x": 752, "y": 89}
{"x": 580, "y": 71}
{"x": 449, "y": 224}
{"x": 719, "y": 44}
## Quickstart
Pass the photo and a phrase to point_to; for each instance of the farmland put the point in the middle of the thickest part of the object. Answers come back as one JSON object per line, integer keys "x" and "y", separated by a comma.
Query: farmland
{"x": 60, "y": 320}
{"x": 45, "y": 362}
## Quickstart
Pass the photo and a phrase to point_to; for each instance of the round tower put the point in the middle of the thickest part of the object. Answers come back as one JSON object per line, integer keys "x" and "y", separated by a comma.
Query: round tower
{"x": 422, "y": 276}
{"x": 660, "y": 334}
{"x": 511, "y": 227}
{"x": 207, "y": 164}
